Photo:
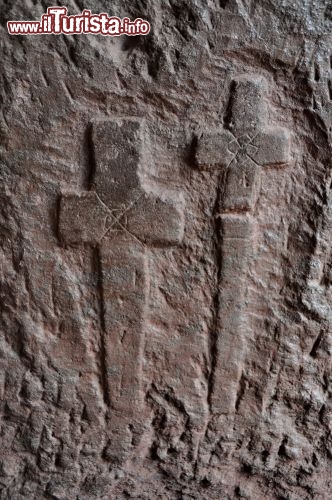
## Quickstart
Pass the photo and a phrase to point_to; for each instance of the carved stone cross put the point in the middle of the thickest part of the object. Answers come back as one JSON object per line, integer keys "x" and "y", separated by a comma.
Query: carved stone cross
{"x": 121, "y": 215}
{"x": 241, "y": 148}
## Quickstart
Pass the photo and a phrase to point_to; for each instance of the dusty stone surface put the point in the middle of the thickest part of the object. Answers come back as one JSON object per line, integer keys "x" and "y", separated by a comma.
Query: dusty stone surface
{"x": 166, "y": 265}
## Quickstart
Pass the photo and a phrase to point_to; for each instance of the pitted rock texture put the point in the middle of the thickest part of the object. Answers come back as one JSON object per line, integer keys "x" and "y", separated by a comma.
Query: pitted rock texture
{"x": 166, "y": 265}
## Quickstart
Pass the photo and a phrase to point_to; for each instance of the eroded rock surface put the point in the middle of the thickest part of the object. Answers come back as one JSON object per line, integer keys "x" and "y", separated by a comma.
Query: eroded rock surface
{"x": 166, "y": 266}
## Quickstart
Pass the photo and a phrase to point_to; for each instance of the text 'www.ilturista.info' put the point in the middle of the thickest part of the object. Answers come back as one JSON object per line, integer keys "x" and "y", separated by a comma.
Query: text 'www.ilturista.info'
{"x": 56, "y": 22}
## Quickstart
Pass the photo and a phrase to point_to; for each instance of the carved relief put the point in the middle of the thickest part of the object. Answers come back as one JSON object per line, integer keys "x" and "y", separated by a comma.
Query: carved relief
{"x": 241, "y": 148}
{"x": 121, "y": 216}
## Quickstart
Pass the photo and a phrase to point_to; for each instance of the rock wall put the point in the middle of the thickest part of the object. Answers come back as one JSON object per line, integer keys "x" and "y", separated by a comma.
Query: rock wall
{"x": 166, "y": 265}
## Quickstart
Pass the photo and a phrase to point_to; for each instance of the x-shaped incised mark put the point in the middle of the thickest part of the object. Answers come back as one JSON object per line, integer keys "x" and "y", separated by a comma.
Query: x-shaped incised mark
{"x": 242, "y": 147}
{"x": 116, "y": 219}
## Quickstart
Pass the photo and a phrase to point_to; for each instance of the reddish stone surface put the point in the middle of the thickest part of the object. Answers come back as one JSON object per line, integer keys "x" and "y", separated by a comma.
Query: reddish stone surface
{"x": 165, "y": 233}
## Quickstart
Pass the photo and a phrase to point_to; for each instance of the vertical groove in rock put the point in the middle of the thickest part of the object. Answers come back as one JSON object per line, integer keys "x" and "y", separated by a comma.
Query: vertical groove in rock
{"x": 97, "y": 270}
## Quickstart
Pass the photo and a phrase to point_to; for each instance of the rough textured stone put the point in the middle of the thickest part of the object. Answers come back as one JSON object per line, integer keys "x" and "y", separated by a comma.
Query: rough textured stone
{"x": 165, "y": 259}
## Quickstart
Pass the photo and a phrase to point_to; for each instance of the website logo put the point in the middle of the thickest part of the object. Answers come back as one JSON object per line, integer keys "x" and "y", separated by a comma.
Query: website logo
{"x": 57, "y": 22}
